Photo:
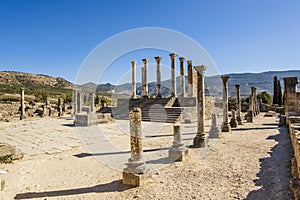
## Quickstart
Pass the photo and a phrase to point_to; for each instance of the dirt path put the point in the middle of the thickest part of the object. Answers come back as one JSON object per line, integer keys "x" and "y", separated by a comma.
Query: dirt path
{"x": 252, "y": 162}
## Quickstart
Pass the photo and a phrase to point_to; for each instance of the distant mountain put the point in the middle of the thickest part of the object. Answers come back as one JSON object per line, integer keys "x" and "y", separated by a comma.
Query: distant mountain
{"x": 26, "y": 79}
{"x": 262, "y": 81}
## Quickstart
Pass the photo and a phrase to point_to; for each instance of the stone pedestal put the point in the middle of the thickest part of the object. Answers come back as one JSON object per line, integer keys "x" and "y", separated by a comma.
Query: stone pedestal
{"x": 178, "y": 152}
{"x": 200, "y": 140}
{"x": 214, "y": 130}
{"x": 85, "y": 119}
{"x": 133, "y": 174}
{"x": 225, "y": 126}
{"x": 233, "y": 121}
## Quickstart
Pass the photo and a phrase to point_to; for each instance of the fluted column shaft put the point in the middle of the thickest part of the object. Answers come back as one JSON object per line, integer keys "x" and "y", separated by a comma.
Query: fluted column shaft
{"x": 225, "y": 126}
{"x": 145, "y": 61}
{"x": 22, "y": 115}
{"x": 173, "y": 74}
{"x": 190, "y": 79}
{"x": 182, "y": 79}
{"x": 200, "y": 139}
{"x": 133, "y": 64}
{"x": 158, "y": 76}
{"x": 238, "y": 104}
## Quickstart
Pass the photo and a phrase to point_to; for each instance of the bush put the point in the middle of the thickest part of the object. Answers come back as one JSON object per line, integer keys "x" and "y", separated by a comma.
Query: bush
{"x": 265, "y": 97}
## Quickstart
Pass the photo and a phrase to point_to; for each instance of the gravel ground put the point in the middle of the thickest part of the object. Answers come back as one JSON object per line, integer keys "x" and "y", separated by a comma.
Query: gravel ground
{"x": 251, "y": 162}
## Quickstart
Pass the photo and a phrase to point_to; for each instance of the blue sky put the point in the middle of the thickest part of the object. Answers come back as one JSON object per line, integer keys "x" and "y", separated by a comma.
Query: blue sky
{"x": 54, "y": 37}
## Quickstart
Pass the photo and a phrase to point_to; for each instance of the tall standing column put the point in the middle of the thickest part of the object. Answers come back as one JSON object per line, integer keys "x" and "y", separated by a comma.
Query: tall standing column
{"x": 75, "y": 102}
{"x": 22, "y": 114}
{"x": 133, "y": 64}
{"x": 158, "y": 76}
{"x": 190, "y": 79}
{"x": 200, "y": 138}
{"x": 182, "y": 79}
{"x": 92, "y": 98}
{"x": 173, "y": 74}
{"x": 79, "y": 101}
{"x": 225, "y": 126}
{"x": 143, "y": 81}
{"x": 238, "y": 105}
{"x": 251, "y": 104}
{"x": 145, "y": 61}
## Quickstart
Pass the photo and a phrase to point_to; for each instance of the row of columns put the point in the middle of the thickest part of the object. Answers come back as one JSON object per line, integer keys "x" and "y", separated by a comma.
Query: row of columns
{"x": 144, "y": 70}
{"x": 236, "y": 114}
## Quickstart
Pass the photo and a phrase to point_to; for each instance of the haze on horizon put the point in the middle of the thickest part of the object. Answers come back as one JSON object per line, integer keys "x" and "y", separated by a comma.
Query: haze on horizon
{"x": 54, "y": 37}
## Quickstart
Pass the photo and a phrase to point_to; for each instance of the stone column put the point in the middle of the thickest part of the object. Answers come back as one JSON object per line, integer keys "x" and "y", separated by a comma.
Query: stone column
{"x": 59, "y": 107}
{"x": 92, "y": 99}
{"x": 233, "y": 121}
{"x": 79, "y": 102}
{"x": 238, "y": 105}
{"x": 182, "y": 79}
{"x": 253, "y": 94}
{"x": 178, "y": 152}
{"x": 173, "y": 75}
{"x": 250, "y": 113}
{"x": 133, "y": 64}
{"x": 225, "y": 126}
{"x": 22, "y": 114}
{"x": 190, "y": 79}
{"x": 145, "y": 61}
{"x": 75, "y": 102}
{"x": 143, "y": 81}
{"x": 214, "y": 130}
{"x": 136, "y": 164}
{"x": 158, "y": 76}
{"x": 200, "y": 139}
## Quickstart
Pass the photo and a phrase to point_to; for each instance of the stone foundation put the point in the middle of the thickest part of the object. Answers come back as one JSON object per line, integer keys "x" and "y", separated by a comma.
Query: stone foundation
{"x": 178, "y": 155}
{"x": 84, "y": 119}
{"x": 135, "y": 180}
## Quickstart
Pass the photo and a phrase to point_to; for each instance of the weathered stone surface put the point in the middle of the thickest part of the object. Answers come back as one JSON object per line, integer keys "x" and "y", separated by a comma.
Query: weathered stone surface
{"x": 178, "y": 152}
{"x": 225, "y": 126}
{"x": 233, "y": 121}
{"x": 84, "y": 119}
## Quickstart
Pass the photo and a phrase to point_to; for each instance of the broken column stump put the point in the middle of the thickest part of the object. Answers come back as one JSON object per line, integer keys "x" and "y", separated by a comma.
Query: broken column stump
{"x": 233, "y": 121}
{"x": 178, "y": 151}
{"x": 214, "y": 131}
{"x": 134, "y": 173}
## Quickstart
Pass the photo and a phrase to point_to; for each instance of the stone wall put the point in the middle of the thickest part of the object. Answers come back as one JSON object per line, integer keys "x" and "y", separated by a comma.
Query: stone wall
{"x": 294, "y": 131}
{"x": 291, "y": 96}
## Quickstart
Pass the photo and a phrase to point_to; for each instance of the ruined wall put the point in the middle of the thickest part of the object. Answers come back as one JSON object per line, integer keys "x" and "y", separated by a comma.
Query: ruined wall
{"x": 291, "y": 96}
{"x": 294, "y": 131}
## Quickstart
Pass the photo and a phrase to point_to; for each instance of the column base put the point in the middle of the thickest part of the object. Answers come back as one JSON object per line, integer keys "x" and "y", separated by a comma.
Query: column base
{"x": 249, "y": 116}
{"x": 135, "y": 180}
{"x": 200, "y": 141}
{"x": 22, "y": 117}
{"x": 226, "y": 128}
{"x": 233, "y": 123}
{"x": 239, "y": 120}
{"x": 178, "y": 155}
{"x": 214, "y": 133}
{"x": 158, "y": 96}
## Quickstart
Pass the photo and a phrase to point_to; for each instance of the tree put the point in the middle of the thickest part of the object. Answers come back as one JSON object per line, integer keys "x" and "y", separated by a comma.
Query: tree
{"x": 265, "y": 97}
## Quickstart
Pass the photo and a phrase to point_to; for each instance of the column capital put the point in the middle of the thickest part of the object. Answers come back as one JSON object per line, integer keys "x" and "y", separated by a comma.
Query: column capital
{"x": 133, "y": 63}
{"x": 145, "y": 60}
{"x": 200, "y": 69}
{"x": 189, "y": 62}
{"x": 158, "y": 58}
{"x": 172, "y": 55}
{"x": 181, "y": 59}
{"x": 225, "y": 78}
{"x": 237, "y": 86}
